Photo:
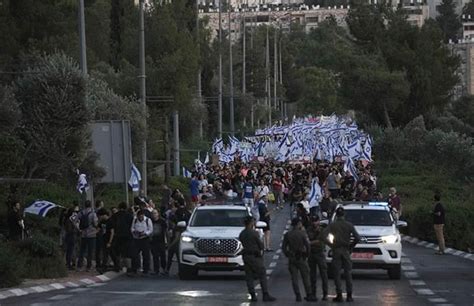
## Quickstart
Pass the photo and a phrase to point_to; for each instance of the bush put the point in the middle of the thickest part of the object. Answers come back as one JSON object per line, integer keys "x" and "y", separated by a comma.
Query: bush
{"x": 42, "y": 257}
{"x": 10, "y": 274}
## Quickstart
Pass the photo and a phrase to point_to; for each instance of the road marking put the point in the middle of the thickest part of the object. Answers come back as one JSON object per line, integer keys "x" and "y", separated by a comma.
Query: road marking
{"x": 2, "y": 297}
{"x": 18, "y": 292}
{"x": 424, "y": 291}
{"x": 449, "y": 251}
{"x": 72, "y": 284}
{"x": 269, "y": 271}
{"x": 57, "y": 286}
{"x": 276, "y": 257}
{"x": 422, "y": 243}
{"x": 79, "y": 290}
{"x": 103, "y": 278}
{"x": 60, "y": 297}
{"x": 411, "y": 275}
{"x": 39, "y": 289}
{"x": 278, "y": 251}
{"x": 415, "y": 282}
{"x": 272, "y": 264}
{"x": 457, "y": 253}
{"x": 408, "y": 268}
{"x": 437, "y": 300}
{"x": 97, "y": 285}
{"x": 40, "y": 304}
{"x": 431, "y": 245}
{"x": 467, "y": 255}
{"x": 406, "y": 260}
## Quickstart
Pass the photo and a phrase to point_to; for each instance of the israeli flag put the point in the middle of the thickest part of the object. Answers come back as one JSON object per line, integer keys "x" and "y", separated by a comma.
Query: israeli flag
{"x": 187, "y": 173}
{"x": 349, "y": 166}
{"x": 82, "y": 185}
{"x": 367, "y": 153}
{"x": 40, "y": 208}
{"x": 315, "y": 196}
{"x": 135, "y": 178}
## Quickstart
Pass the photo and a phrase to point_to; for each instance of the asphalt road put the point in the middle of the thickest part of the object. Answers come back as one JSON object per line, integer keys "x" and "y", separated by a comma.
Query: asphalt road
{"x": 427, "y": 280}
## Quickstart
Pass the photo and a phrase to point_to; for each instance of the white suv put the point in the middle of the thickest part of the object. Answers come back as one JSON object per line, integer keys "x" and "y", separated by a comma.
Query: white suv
{"x": 210, "y": 241}
{"x": 380, "y": 246}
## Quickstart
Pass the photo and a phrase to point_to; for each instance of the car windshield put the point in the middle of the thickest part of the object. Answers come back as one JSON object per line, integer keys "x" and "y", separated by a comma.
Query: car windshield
{"x": 219, "y": 217}
{"x": 368, "y": 217}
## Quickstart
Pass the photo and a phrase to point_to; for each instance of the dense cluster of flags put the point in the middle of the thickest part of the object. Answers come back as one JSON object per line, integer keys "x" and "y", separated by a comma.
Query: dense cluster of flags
{"x": 306, "y": 139}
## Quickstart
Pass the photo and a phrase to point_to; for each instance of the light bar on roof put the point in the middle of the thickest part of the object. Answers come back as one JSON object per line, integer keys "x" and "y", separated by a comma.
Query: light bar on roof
{"x": 378, "y": 203}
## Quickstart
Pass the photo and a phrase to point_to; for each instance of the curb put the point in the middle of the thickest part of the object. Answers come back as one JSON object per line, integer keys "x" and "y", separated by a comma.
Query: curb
{"x": 108, "y": 276}
{"x": 429, "y": 245}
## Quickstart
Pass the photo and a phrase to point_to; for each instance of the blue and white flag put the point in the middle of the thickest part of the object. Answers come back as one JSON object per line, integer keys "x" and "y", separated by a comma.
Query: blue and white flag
{"x": 187, "y": 173}
{"x": 40, "y": 208}
{"x": 349, "y": 166}
{"x": 315, "y": 195}
{"x": 367, "y": 153}
{"x": 82, "y": 185}
{"x": 135, "y": 178}
{"x": 206, "y": 161}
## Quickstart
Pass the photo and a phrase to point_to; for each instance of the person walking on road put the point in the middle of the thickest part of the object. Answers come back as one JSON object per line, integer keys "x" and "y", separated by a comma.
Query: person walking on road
{"x": 439, "y": 221}
{"x": 142, "y": 228}
{"x": 338, "y": 236}
{"x": 296, "y": 247}
{"x": 88, "y": 222}
{"x": 158, "y": 242}
{"x": 253, "y": 260}
{"x": 317, "y": 259}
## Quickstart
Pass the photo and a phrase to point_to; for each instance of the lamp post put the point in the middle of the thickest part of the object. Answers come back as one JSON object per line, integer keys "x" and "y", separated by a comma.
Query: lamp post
{"x": 142, "y": 78}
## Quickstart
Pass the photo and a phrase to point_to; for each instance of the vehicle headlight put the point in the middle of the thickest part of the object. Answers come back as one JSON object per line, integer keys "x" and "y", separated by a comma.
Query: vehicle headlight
{"x": 390, "y": 239}
{"x": 187, "y": 239}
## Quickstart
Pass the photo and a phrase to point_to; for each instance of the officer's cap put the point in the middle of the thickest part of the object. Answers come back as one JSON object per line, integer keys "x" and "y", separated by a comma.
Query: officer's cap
{"x": 295, "y": 221}
{"x": 248, "y": 220}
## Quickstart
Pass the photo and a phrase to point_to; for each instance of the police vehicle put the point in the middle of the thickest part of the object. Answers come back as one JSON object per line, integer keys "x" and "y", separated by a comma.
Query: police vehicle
{"x": 210, "y": 240}
{"x": 380, "y": 246}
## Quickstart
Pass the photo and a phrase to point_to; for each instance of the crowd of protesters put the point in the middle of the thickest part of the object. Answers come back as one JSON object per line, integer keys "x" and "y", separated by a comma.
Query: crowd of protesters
{"x": 144, "y": 236}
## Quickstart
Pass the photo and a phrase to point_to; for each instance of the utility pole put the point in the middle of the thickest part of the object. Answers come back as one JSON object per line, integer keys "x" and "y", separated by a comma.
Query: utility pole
{"x": 275, "y": 70}
{"x": 267, "y": 79}
{"x": 280, "y": 75}
{"x": 82, "y": 38}
{"x": 199, "y": 90}
{"x": 231, "y": 76}
{"x": 142, "y": 78}
{"x": 176, "y": 143}
{"x": 244, "y": 88}
{"x": 219, "y": 123}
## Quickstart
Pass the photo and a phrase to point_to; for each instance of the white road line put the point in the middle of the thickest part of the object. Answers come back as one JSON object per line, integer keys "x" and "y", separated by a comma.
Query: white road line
{"x": 278, "y": 251}
{"x": 408, "y": 268}
{"x": 276, "y": 257}
{"x": 424, "y": 291}
{"x": 57, "y": 286}
{"x": 467, "y": 255}
{"x": 269, "y": 271}
{"x": 18, "y": 292}
{"x": 437, "y": 300}
{"x": 60, "y": 297}
{"x": 449, "y": 251}
{"x": 416, "y": 282}
{"x": 103, "y": 277}
{"x": 272, "y": 264}
{"x": 457, "y": 253}
{"x": 411, "y": 275}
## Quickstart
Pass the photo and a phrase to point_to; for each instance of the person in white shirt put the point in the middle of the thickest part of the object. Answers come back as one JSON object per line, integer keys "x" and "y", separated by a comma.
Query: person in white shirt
{"x": 263, "y": 191}
{"x": 142, "y": 228}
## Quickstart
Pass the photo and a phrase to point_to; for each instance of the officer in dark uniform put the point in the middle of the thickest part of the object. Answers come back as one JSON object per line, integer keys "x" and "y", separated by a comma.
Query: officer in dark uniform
{"x": 317, "y": 259}
{"x": 296, "y": 248}
{"x": 338, "y": 236}
{"x": 253, "y": 260}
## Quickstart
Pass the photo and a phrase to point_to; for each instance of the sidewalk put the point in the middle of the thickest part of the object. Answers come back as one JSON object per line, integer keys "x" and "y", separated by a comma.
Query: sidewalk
{"x": 73, "y": 280}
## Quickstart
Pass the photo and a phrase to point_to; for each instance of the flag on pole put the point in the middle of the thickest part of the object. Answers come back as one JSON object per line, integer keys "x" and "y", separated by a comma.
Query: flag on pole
{"x": 315, "y": 195}
{"x": 40, "y": 208}
{"x": 82, "y": 185}
{"x": 135, "y": 178}
{"x": 349, "y": 166}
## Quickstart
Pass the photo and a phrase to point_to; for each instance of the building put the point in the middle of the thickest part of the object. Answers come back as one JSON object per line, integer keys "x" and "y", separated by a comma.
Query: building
{"x": 465, "y": 50}
{"x": 433, "y": 4}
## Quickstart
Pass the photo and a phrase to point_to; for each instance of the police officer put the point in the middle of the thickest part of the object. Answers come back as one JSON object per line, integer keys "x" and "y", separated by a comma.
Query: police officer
{"x": 338, "y": 236}
{"x": 317, "y": 259}
{"x": 253, "y": 260}
{"x": 296, "y": 248}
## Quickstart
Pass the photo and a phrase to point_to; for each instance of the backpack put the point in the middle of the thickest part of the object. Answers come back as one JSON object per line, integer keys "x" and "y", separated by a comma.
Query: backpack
{"x": 84, "y": 221}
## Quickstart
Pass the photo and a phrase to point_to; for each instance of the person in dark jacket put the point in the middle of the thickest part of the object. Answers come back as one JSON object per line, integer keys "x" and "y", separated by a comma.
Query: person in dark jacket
{"x": 122, "y": 237}
{"x": 438, "y": 223}
{"x": 158, "y": 242}
{"x": 15, "y": 222}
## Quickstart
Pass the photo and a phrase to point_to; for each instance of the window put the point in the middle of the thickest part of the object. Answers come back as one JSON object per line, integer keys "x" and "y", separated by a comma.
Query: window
{"x": 312, "y": 19}
{"x": 263, "y": 18}
{"x": 368, "y": 217}
{"x": 219, "y": 217}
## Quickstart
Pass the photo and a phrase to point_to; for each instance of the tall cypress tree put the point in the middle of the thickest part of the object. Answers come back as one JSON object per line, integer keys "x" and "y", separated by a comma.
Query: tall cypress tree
{"x": 448, "y": 20}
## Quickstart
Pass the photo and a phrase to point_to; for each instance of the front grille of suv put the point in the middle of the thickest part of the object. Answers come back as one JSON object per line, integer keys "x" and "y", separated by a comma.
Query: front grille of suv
{"x": 217, "y": 246}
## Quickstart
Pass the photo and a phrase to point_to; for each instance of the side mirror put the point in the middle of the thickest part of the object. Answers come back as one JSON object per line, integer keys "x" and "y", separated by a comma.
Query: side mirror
{"x": 181, "y": 224}
{"x": 401, "y": 224}
{"x": 260, "y": 224}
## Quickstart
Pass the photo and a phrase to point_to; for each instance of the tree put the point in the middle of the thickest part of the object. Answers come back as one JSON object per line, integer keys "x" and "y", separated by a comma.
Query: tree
{"x": 54, "y": 116}
{"x": 448, "y": 20}
{"x": 468, "y": 9}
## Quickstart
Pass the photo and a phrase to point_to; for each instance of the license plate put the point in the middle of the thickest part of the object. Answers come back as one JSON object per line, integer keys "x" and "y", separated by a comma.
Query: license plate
{"x": 217, "y": 259}
{"x": 362, "y": 255}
